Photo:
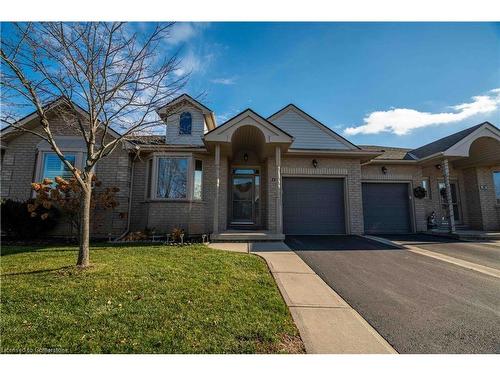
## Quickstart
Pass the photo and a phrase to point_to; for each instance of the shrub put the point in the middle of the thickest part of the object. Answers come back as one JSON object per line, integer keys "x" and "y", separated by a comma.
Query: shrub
{"x": 19, "y": 221}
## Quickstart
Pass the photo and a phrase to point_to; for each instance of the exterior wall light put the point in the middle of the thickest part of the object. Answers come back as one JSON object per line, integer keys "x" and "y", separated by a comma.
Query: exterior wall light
{"x": 384, "y": 169}
{"x": 315, "y": 163}
{"x": 438, "y": 166}
{"x": 245, "y": 157}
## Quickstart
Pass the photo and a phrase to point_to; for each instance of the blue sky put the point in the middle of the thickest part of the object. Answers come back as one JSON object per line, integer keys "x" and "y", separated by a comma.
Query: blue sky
{"x": 422, "y": 80}
{"x": 391, "y": 84}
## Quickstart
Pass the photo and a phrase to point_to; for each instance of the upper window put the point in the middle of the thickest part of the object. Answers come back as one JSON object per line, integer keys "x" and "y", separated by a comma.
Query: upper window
{"x": 496, "y": 182}
{"x": 172, "y": 178}
{"x": 53, "y": 166}
{"x": 185, "y": 123}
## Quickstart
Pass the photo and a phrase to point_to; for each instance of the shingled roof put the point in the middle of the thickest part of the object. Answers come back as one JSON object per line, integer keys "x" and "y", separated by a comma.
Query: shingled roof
{"x": 443, "y": 144}
{"x": 389, "y": 153}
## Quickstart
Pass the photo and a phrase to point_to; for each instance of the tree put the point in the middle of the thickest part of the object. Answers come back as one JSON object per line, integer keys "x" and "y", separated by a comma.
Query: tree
{"x": 65, "y": 196}
{"x": 110, "y": 78}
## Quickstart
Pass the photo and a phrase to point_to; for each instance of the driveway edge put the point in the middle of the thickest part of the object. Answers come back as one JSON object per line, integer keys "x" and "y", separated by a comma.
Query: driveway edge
{"x": 326, "y": 322}
{"x": 445, "y": 258}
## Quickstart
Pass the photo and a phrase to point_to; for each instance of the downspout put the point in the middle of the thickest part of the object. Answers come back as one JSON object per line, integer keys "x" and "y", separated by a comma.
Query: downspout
{"x": 129, "y": 211}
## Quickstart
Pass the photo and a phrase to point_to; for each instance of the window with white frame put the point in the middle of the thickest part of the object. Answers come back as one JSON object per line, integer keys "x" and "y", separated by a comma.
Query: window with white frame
{"x": 172, "y": 178}
{"x": 496, "y": 182}
{"x": 51, "y": 166}
{"x": 198, "y": 179}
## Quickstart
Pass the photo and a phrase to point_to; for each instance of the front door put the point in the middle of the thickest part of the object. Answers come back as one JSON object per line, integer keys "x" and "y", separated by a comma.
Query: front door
{"x": 454, "y": 200}
{"x": 245, "y": 196}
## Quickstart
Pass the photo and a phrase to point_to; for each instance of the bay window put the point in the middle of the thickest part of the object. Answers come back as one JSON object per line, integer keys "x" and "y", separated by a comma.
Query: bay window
{"x": 174, "y": 177}
{"x": 198, "y": 177}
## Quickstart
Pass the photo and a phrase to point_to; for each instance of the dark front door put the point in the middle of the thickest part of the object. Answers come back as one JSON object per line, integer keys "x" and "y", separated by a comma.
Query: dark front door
{"x": 386, "y": 207}
{"x": 245, "y": 196}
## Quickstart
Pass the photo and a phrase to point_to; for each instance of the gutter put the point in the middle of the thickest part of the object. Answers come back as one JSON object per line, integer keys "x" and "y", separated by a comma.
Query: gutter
{"x": 129, "y": 213}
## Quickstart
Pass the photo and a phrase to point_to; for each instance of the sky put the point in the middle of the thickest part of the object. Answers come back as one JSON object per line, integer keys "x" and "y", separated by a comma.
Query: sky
{"x": 391, "y": 84}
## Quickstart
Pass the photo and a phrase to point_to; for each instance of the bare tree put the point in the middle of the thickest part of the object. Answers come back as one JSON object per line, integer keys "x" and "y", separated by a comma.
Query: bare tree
{"x": 110, "y": 77}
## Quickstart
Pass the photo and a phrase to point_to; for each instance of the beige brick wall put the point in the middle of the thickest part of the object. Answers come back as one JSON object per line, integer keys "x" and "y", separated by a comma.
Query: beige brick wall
{"x": 401, "y": 173}
{"x": 193, "y": 216}
{"x": 487, "y": 198}
{"x": 18, "y": 172}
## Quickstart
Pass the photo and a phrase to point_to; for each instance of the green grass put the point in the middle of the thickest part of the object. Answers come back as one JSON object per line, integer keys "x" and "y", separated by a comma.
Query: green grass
{"x": 141, "y": 299}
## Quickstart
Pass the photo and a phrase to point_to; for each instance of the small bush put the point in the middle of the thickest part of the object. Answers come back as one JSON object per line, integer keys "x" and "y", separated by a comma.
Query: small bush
{"x": 19, "y": 221}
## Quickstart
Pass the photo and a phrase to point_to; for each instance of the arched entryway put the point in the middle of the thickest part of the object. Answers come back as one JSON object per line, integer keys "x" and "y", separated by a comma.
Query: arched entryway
{"x": 247, "y": 203}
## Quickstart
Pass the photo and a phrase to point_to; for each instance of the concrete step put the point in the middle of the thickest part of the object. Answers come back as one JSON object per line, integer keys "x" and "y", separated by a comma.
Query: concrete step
{"x": 243, "y": 235}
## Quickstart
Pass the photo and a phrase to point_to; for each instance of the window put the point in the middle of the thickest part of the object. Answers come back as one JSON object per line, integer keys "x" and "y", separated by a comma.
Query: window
{"x": 185, "y": 123}
{"x": 172, "y": 178}
{"x": 198, "y": 178}
{"x": 496, "y": 182}
{"x": 427, "y": 186}
{"x": 149, "y": 178}
{"x": 53, "y": 166}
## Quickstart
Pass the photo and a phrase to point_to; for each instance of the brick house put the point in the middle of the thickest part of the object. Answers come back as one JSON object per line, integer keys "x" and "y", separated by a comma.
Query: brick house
{"x": 263, "y": 178}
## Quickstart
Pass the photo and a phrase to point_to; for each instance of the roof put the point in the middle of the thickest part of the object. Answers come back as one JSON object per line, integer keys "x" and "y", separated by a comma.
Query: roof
{"x": 48, "y": 107}
{"x": 253, "y": 112}
{"x": 389, "y": 153}
{"x": 147, "y": 139}
{"x": 445, "y": 143}
{"x": 207, "y": 112}
{"x": 315, "y": 121}
{"x": 187, "y": 97}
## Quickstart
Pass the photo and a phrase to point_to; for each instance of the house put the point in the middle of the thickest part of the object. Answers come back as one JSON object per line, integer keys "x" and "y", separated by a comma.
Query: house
{"x": 264, "y": 178}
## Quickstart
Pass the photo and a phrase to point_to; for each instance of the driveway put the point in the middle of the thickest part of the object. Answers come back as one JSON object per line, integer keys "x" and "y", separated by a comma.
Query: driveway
{"x": 483, "y": 253}
{"x": 417, "y": 303}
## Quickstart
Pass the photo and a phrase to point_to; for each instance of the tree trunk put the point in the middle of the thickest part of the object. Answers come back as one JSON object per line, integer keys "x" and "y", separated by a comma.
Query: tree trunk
{"x": 84, "y": 235}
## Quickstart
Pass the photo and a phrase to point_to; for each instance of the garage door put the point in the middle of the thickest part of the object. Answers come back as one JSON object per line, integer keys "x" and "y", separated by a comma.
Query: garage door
{"x": 313, "y": 205}
{"x": 386, "y": 208}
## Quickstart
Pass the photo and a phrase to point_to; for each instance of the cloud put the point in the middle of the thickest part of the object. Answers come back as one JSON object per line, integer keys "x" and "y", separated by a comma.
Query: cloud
{"x": 401, "y": 121}
{"x": 182, "y": 32}
{"x": 193, "y": 62}
{"x": 224, "y": 81}
{"x": 227, "y": 115}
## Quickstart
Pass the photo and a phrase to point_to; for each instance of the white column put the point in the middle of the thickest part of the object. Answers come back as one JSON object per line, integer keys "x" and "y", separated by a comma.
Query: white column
{"x": 279, "y": 215}
{"x": 449, "y": 200}
{"x": 217, "y": 189}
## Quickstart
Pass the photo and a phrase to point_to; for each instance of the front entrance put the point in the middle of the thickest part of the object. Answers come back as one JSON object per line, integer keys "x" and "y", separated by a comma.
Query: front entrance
{"x": 455, "y": 202}
{"x": 245, "y": 196}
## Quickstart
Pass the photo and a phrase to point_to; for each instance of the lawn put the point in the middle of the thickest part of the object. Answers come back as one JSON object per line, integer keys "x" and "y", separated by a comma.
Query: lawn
{"x": 141, "y": 299}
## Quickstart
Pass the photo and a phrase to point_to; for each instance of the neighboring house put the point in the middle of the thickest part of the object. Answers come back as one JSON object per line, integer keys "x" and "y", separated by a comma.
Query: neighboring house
{"x": 263, "y": 178}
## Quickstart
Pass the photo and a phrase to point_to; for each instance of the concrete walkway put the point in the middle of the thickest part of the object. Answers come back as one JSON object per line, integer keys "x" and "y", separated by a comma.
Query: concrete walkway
{"x": 327, "y": 324}
{"x": 436, "y": 255}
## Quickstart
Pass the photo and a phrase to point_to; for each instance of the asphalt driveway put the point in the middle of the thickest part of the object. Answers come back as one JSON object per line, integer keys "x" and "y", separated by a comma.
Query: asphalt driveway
{"x": 417, "y": 303}
{"x": 483, "y": 253}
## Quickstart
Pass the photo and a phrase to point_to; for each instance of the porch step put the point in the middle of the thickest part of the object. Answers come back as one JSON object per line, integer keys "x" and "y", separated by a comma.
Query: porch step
{"x": 246, "y": 235}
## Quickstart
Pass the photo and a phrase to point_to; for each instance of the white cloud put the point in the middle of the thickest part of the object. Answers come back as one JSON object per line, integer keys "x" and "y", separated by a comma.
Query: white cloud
{"x": 401, "y": 121}
{"x": 224, "y": 81}
{"x": 193, "y": 62}
{"x": 183, "y": 31}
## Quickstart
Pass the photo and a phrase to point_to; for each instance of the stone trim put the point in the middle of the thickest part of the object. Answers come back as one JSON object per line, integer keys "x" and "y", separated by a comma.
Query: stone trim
{"x": 313, "y": 171}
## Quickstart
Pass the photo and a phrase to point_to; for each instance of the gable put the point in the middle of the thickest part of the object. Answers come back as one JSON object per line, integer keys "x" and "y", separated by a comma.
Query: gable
{"x": 271, "y": 132}
{"x": 308, "y": 132}
{"x": 198, "y": 125}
